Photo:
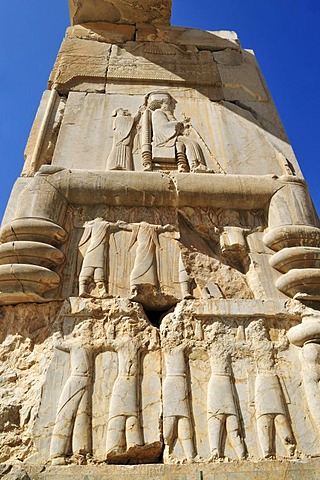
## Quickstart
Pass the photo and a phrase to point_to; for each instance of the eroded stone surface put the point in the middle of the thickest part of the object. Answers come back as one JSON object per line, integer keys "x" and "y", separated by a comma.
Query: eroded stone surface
{"x": 202, "y": 39}
{"x": 102, "y": 32}
{"x": 46, "y": 125}
{"x": 120, "y": 11}
{"x": 152, "y": 256}
{"x": 116, "y": 376}
{"x": 81, "y": 65}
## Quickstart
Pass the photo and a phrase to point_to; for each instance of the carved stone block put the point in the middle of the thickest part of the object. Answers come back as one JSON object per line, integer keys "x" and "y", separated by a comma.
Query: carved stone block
{"x": 159, "y": 268}
{"x": 203, "y": 40}
{"x": 81, "y": 66}
{"x": 120, "y": 11}
{"x": 162, "y": 61}
{"x": 102, "y": 32}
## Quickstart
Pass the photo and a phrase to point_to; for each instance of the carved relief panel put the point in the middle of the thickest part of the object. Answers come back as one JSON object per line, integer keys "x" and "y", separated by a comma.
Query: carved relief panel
{"x": 201, "y": 253}
{"x": 199, "y": 388}
{"x": 106, "y": 401}
{"x": 161, "y": 130}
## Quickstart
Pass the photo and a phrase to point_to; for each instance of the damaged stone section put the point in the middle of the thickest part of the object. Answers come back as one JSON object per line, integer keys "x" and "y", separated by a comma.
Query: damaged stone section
{"x": 44, "y": 133}
{"x": 23, "y": 365}
{"x": 120, "y": 11}
{"x": 156, "y": 259}
{"x": 92, "y": 380}
{"x": 81, "y": 65}
{"x": 202, "y": 39}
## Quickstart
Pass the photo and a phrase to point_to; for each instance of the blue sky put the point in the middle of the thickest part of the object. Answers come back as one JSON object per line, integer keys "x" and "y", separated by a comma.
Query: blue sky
{"x": 283, "y": 33}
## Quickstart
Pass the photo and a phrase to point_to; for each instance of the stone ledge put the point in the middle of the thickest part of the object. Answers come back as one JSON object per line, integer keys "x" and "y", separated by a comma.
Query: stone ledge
{"x": 155, "y": 189}
{"x": 266, "y": 470}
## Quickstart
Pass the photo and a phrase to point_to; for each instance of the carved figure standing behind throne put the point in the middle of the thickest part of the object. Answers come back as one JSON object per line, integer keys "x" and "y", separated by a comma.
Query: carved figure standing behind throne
{"x": 120, "y": 157}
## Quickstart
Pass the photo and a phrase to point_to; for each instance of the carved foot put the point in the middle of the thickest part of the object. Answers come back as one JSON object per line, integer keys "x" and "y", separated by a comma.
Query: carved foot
{"x": 291, "y": 450}
{"x": 58, "y": 461}
{"x": 214, "y": 455}
{"x": 269, "y": 456}
{"x": 116, "y": 451}
{"x": 102, "y": 293}
{"x": 134, "y": 291}
{"x": 187, "y": 296}
{"x": 197, "y": 459}
{"x": 183, "y": 168}
{"x": 168, "y": 457}
{"x": 198, "y": 168}
{"x": 147, "y": 167}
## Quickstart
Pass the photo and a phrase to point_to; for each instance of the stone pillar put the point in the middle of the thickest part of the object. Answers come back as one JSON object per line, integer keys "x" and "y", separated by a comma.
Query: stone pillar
{"x": 30, "y": 253}
{"x": 295, "y": 236}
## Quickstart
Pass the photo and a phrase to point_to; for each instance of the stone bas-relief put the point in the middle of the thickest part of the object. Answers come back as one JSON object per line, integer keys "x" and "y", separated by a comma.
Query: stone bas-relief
{"x": 222, "y": 402}
{"x": 170, "y": 139}
{"x": 105, "y": 405}
{"x": 272, "y": 414}
{"x": 120, "y": 11}
{"x": 120, "y": 390}
{"x": 177, "y": 425}
{"x": 71, "y": 423}
{"x": 112, "y": 396}
{"x": 165, "y": 143}
{"x": 120, "y": 157}
{"x": 216, "y": 141}
{"x": 159, "y": 264}
{"x": 140, "y": 250}
{"x": 96, "y": 234}
{"x": 125, "y": 433}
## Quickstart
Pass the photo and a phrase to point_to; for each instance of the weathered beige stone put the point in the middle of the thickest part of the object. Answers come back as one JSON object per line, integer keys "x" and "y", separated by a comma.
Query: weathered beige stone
{"x": 102, "y": 32}
{"x": 30, "y": 252}
{"x": 120, "y": 11}
{"x": 152, "y": 262}
{"x": 164, "y": 62}
{"x": 292, "y": 469}
{"x": 202, "y": 39}
{"x": 124, "y": 134}
{"x": 230, "y": 136}
{"x": 81, "y": 65}
{"x": 108, "y": 356}
{"x": 243, "y": 81}
{"x": 44, "y": 133}
{"x": 229, "y": 57}
{"x": 11, "y": 208}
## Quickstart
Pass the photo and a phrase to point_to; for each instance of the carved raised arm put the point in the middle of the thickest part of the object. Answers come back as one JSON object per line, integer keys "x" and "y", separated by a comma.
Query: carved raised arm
{"x": 57, "y": 341}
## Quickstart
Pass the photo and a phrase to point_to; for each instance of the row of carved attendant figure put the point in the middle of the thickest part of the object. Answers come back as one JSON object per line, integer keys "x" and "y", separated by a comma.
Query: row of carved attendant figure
{"x": 125, "y": 440}
{"x": 148, "y": 282}
{"x": 94, "y": 242}
{"x": 154, "y": 246}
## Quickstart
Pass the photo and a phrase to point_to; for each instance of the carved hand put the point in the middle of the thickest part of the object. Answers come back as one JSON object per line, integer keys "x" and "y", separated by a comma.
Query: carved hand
{"x": 57, "y": 339}
{"x": 168, "y": 228}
